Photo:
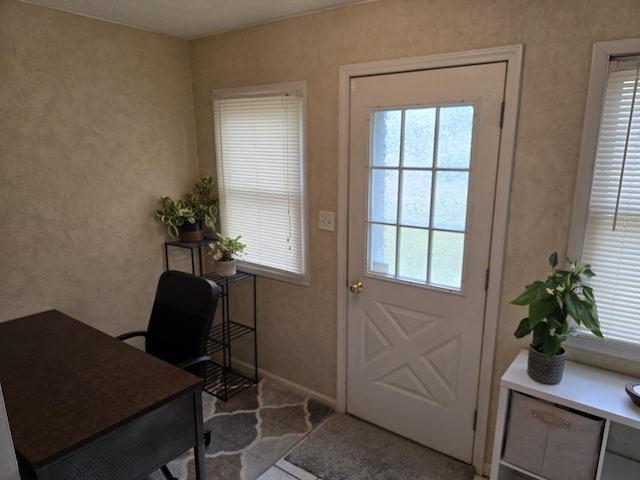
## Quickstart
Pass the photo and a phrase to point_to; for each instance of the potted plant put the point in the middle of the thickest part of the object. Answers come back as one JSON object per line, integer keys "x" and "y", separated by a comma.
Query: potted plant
{"x": 224, "y": 250}
{"x": 204, "y": 202}
{"x": 185, "y": 218}
{"x": 551, "y": 302}
{"x": 174, "y": 214}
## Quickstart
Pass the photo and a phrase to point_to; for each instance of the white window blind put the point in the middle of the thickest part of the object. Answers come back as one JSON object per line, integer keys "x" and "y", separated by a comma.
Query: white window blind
{"x": 260, "y": 177}
{"x": 612, "y": 234}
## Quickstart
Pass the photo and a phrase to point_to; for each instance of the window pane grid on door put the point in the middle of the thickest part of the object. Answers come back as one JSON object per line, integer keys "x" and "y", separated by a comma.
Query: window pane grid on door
{"x": 418, "y": 187}
{"x": 382, "y": 249}
{"x": 415, "y": 206}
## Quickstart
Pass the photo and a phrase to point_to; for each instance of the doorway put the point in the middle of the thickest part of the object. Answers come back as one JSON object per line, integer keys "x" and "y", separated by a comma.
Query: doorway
{"x": 422, "y": 171}
{"x": 394, "y": 314}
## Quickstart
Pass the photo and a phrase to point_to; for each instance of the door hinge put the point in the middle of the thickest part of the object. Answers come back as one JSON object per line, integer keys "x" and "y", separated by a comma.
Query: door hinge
{"x": 475, "y": 419}
{"x": 502, "y": 115}
{"x": 486, "y": 280}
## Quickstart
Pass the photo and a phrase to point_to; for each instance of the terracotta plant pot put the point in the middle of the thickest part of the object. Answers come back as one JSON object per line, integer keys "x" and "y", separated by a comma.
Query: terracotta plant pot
{"x": 543, "y": 370}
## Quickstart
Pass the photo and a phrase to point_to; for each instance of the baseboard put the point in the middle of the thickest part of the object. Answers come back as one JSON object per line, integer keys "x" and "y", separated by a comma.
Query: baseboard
{"x": 247, "y": 369}
{"x": 300, "y": 389}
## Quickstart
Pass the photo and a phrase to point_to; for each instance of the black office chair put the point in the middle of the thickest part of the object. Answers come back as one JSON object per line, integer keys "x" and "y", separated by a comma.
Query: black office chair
{"x": 179, "y": 325}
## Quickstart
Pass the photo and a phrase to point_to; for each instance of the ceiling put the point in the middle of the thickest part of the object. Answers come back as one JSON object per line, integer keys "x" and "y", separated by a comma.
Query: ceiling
{"x": 191, "y": 19}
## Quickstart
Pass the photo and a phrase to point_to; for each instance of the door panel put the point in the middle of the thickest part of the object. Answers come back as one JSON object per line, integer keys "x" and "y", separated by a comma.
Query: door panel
{"x": 423, "y": 161}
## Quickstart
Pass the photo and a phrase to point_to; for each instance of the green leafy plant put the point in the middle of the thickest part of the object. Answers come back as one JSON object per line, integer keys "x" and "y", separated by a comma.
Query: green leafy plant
{"x": 174, "y": 213}
{"x": 204, "y": 202}
{"x": 225, "y": 248}
{"x": 200, "y": 205}
{"x": 563, "y": 294}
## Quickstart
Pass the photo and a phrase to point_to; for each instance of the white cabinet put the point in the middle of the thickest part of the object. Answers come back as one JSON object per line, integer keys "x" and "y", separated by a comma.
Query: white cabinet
{"x": 585, "y": 390}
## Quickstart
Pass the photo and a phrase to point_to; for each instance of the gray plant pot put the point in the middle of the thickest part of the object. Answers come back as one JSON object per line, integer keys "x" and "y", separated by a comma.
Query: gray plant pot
{"x": 543, "y": 370}
{"x": 226, "y": 269}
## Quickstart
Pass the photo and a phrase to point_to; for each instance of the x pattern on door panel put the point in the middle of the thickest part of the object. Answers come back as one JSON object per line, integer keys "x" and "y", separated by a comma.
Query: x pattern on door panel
{"x": 429, "y": 376}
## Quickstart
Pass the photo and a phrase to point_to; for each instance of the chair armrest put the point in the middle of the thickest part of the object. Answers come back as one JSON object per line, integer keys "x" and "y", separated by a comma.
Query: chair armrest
{"x": 193, "y": 361}
{"x": 138, "y": 333}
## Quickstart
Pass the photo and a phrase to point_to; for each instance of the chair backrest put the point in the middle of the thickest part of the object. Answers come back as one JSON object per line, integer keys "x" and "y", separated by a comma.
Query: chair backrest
{"x": 181, "y": 318}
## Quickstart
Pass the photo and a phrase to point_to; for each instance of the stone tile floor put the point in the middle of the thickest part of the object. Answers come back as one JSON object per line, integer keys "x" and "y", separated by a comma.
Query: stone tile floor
{"x": 252, "y": 432}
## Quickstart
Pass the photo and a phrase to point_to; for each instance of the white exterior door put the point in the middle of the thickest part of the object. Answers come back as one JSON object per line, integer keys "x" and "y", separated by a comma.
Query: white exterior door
{"x": 423, "y": 161}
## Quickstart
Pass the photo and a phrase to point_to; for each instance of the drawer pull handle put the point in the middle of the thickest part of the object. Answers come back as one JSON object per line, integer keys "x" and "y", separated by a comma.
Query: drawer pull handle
{"x": 549, "y": 418}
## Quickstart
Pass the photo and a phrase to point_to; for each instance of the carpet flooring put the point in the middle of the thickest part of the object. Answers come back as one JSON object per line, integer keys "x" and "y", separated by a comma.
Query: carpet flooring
{"x": 250, "y": 432}
{"x": 255, "y": 429}
{"x": 345, "y": 448}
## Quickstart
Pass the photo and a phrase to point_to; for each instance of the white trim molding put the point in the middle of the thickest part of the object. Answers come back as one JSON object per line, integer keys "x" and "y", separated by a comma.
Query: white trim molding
{"x": 513, "y": 56}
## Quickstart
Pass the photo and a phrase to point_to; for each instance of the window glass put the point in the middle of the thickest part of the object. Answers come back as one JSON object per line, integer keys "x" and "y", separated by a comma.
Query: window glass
{"x": 419, "y": 137}
{"x": 414, "y": 249}
{"x": 383, "y": 196}
{"x": 450, "y": 209}
{"x": 385, "y": 148}
{"x": 260, "y": 165}
{"x": 416, "y": 198}
{"x": 382, "y": 249}
{"x": 607, "y": 236}
{"x": 446, "y": 259}
{"x": 417, "y": 206}
{"x": 454, "y": 136}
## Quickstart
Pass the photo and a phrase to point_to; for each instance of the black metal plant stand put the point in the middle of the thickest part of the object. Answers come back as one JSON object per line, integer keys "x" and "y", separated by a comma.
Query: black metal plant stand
{"x": 195, "y": 248}
{"x": 226, "y": 375}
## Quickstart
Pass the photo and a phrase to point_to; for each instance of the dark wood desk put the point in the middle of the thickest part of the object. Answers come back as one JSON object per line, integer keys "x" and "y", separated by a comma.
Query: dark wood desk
{"x": 83, "y": 405}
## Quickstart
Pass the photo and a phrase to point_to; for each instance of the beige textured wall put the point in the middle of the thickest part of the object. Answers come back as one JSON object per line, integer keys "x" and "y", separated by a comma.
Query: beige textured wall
{"x": 96, "y": 123}
{"x": 298, "y": 325}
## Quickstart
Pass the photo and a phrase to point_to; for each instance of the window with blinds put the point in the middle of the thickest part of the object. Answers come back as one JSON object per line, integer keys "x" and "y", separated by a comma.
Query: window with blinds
{"x": 259, "y": 160}
{"x": 612, "y": 231}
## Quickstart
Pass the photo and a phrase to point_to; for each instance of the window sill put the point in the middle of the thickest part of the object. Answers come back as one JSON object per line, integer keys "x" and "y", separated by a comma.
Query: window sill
{"x": 260, "y": 271}
{"x": 622, "y": 352}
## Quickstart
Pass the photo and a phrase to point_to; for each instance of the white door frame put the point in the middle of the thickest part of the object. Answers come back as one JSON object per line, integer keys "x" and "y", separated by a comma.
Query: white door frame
{"x": 513, "y": 56}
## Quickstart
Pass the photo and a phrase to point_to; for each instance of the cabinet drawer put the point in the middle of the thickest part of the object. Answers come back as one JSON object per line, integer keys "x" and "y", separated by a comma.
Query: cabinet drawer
{"x": 551, "y": 441}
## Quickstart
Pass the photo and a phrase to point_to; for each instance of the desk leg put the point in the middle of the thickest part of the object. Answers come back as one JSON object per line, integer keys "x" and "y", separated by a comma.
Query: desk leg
{"x": 198, "y": 455}
{"x": 198, "y": 448}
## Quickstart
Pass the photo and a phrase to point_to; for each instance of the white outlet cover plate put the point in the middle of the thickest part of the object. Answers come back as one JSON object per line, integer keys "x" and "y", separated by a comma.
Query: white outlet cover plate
{"x": 326, "y": 221}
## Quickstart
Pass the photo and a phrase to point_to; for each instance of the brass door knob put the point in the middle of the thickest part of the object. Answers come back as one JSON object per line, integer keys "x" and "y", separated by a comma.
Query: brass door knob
{"x": 356, "y": 286}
